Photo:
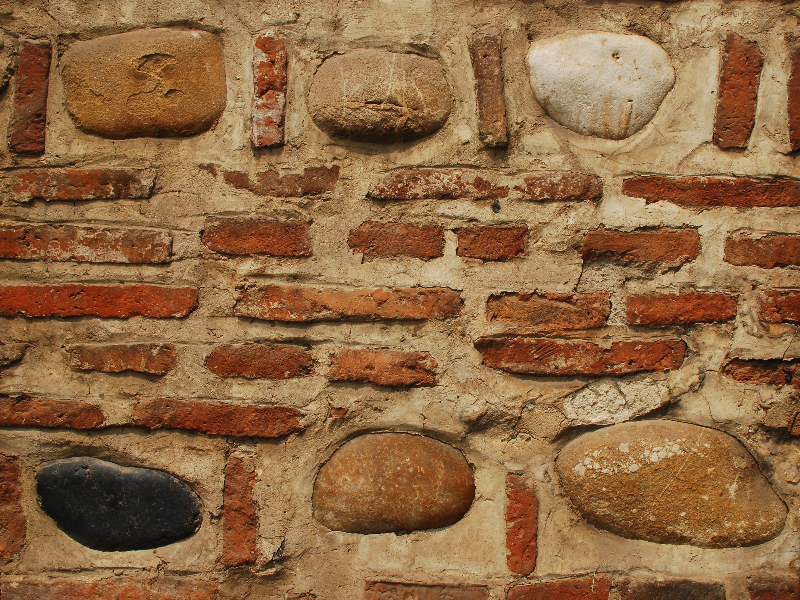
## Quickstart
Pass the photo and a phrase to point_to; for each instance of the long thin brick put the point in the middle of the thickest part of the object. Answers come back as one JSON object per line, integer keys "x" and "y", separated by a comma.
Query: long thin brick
{"x": 239, "y": 516}
{"x": 522, "y": 525}
{"x": 435, "y": 184}
{"x": 738, "y": 92}
{"x": 49, "y": 413}
{"x": 269, "y": 90}
{"x": 763, "y": 249}
{"x": 376, "y": 239}
{"x": 312, "y": 182}
{"x": 592, "y": 587}
{"x": 255, "y": 361}
{"x": 774, "y": 587}
{"x": 11, "y": 352}
{"x": 487, "y": 65}
{"x": 642, "y": 245}
{"x": 670, "y": 590}
{"x": 110, "y": 301}
{"x": 80, "y": 184}
{"x": 13, "y": 524}
{"x": 741, "y": 192}
{"x": 550, "y": 312}
{"x": 306, "y": 304}
{"x": 384, "y": 367}
{"x": 780, "y": 306}
{"x": 793, "y": 90}
{"x": 562, "y": 186}
{"x": 84, "y": 244}
{"x": 238, "y": 235}
{"x": 492, "y": 242}
{"x": 390, "y": 590}
{"x": 772, "y": 372}
{"x": 26, "y": 130}
{"x": 682, "y": 308}
{"x": 155, "y": 359}
{"x": 117, "y": 587}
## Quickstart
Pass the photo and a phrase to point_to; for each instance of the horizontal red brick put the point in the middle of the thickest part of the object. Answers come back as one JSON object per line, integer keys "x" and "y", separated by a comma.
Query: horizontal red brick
{"x": 738, "y": 92}
{"x": 435, "y": 184}
{"x": 49, "y": 413}
{"x": 26, "y": 129}
{"x": 156, "y": 359}
{"x": 11, "y": 352}
{"x": 492, "y": 242}
{"x": 773, "y": 372}
{"x": 312, "y": 182}
{"x": 522, "y": 525}
{"x": 13, "y": 524}
{"x": 384, "y": 367}
{"x": 390, "y": 590}
{"x": 375, "y": 239}
{"x": 80, "y": 184}
{"x": 592, "y": 587}
{"x": 763, "y": 249}
{"x": 642, "y": 245}
{"x": 780, "y": 306}
{"x": 117, "y": 587}
{"x": 550, "y": 312}
{"x": 564, "y": 186}
{"x": 305, "y": 304}
{"x": 682, "y": 308}
{"x": 217, "y": 419}
{"x": 742, "y": 192}
{"x": 239, "y": 235}
{"x": 540, "y": 356}
{"x": 774, "y": 587}
{"x": 239, "y": 514}
{"x": 111, "y": 301}
{"x": 255, "y": 361}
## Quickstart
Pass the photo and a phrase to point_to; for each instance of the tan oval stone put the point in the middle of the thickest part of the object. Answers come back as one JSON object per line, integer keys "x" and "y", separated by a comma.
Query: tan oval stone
{"x": 393, "y": 482}
{"x": 672, "y": 483}
{"x": 378, "y": 96}
{"x": 151, "y": 82}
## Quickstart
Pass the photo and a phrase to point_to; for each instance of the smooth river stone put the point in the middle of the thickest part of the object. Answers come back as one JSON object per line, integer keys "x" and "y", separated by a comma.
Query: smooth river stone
{"x": 378, "y": 96}
{"x": 150, "y": 82}
{"x": 671, "y": 483}
{"x": 603, "y": 84}
{"x": 108, "y": 507}
{"x": 393, "y": 482}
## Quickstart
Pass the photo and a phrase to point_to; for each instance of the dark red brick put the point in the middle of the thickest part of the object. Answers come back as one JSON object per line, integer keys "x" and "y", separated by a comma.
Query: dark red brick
{"x": 384, "y": 367}
{"x": 49, "y": 413}
{"x": 239, "y": 514}
{"x": 156, "y": 359}
{"x": 11, "y": 352}
{"x": 80, "y": 184}
{"x": 435, "y": 184}
{"x": 793, "y": 90}
{"x": 682, "y": 308}
{"x": 522, "y": 525}
{"x": 492, "y": 242}
{"x": 780, "y": 306}
{"x": 256, "y": 361}
{"x": 763, "y": 249}
{"x": 704, "y": 192}
{"x": 550, "y": 312}
{"x": 563, "y": 186}
{"x": 237, "y": 235}
{"x": 738, "y": 92}
{"x": 681, "y": 589}
{"x": 487, "y": 66}
{"x": 269, "y": 90}
{"x": 375, "y": 239}
{"x": 117, "y": 587}
{"x": 642, "y": 245}
{"x": 26, "y": 130}
{"x": 774, "y": 587}
{"x": 388, "y": 590}
{"x": 13, "y": 524}
{"x": 592, "y": 587}
{"x": 313, "y": 181}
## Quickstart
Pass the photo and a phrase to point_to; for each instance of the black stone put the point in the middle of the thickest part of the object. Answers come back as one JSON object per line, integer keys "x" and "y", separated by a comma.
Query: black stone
{"x": 108, "y": 507}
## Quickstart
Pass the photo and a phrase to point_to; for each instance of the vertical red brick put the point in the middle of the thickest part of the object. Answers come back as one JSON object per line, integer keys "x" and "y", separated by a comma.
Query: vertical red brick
{"x": 738, "y": 92}
{"x": 269, "y": 90}
{"x": 580, "y": 588}
{"x": 26, "y": 131}
{"x": 493, "y": 242}
{"x": 522, "y": 525}
{"x": 793, "y": 89}
{"x": 488, "y": 68}
{"x": 13, "y": 525}
{"x": 375, "y": 239}
{"x": 239, "y": 516}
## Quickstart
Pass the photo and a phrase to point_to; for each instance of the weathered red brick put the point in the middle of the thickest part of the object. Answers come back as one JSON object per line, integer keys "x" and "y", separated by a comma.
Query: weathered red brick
{"x": 682, "y": 308}
{"x": 671, "y": 589}
{"x": 774, "y": 587}
{"x": 80, "y": 184}
{"x": 313, "y": 181}
{"x": 26, "y": 130}
{"x": 304, "y": 304}
{"x": 564, "y": 186}
{"x": 11, "y": 352}
{"x": 780, "y": 306}
{"x": 772, "y": 372}
{"x": 13, "y": 525}
{"x": 742, "y": 192}
{"x": 269, "y": 90}
{"x": 763, "y": 249}
{"x": 84, "y": 244}
{"x": 217, "y": 419}
{"x": 117, "y": 587}
{"x": 522, "y": 525}
{"x": 255, "y": 361}
{"x": 642, "y": 245}
{"x": 594, "y": 587}
{"x": 239, "y": 515}
{"x": 738, "y": 92}
{"x": 487, "y": 65}
{"x": 389, "y": 590}
{"x": 375, "y": 239}
{"x": 793, "y": 90}
{"x": 384, "y": 367}
{"x": 115, "y": 301}
{"x": 50, "y": 413}
{"x": 237, "y": 235}
{"x": 435, "y": 184}
{"x": 156, "y": 359}
{"x": 492, "y": 242}
{"x": 542, "y": 356}
{"x": 550, "y": 312}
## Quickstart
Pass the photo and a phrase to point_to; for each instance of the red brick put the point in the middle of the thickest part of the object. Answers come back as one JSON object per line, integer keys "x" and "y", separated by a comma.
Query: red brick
{"x": 390, "y": 590}
{"x": 487, "y": 66}
{"x": 26, "y": 130}
{"x": 741, "y": 192}
{"x": 738, "y": 92}
{"x": 255, "y": 361}
{"x": 564, "y": 186}
{"x": 541, "y": 356}
{"x": 269, "y": 90}
{"x": 384, "y": 367}
{"x": 313, "y": 181}
{"x": 11, "y": 353}
{"x": 237, "y": 235}
{"x": 13, "y": 525}
{"x": 493, "y": 242}
{"x": 49, "y": 413}
{"x": 581, "y": 588}
{"x": 435, "y": 184}
{"x": 80, "y": 184}
{"x": 793, "y": 90}
{"x": 682, "y": 308}
{"x": 156, "y": 359}
{"x": 670, "y": 589}
{"x": 375, "y": 239}
{"x": 304, "y": 304}
{"x": 642, "y": 245}
{"x": 772, "y": 372}
{"x": 115, "y": 301}
{"x": 763, "y": 249}
{"x": 774, "y": 587}
{"x": 84, "y": 244}
{"x": 780, "y": 306}
{"x": 239, "y": 516}
{"x": 217, "y": 419}
{"x": 550, "y": 312}
{"x": 522, "y": 525}
{"x": 117, "y": 587}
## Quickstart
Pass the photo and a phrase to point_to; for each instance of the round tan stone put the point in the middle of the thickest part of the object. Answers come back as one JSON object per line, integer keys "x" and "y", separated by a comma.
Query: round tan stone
{"x": 393, "y": 482}
{"x": 672, "y": 483}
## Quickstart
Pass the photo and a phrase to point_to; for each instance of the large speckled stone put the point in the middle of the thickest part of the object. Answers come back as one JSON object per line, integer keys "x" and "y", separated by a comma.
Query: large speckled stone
{"x": 672, "y": 483}
{"x": 383, "y": 482}
{"x": 378, "y": 96}
{"x": 150, "y": 82}
{"x": 604, "y": 84}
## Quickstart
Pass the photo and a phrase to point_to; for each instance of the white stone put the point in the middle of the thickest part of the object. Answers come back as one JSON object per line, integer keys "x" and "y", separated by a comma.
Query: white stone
{"x": 607, "y": 402}
{"x": 603, "y": 84}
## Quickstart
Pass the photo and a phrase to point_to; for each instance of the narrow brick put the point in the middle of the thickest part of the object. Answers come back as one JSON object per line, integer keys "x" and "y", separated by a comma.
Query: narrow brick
{"x": 593, "y": 587}
{"x": 110, "y": 301}
{"x": 487, "y": 66}
{"x": 435, "y": 184}
{"x": 84, "y": 244}
{"x": 26, "y": 130}
{"x": 313, "y": 181}
{"x": 80, "y": 184}
{"x": 375, "y": 239}
{"x": 772, "y": 372}
{"x": 793, "y": 90}
{"x": 13, "y": 524}
{"x": 384, "y": 367}
{"x": 681, "y": 589}
{"x": 682, "y": 308}
{"x": 11, "y": 352}
{"x": 763, "y": 249}
{"x": 239, "y": 515}
{"x": 738, "y": 92}
{"x": 522, "y": 525}
{"x": 550, "y": 312}
{"x": 156, "y": 359}
{"x": 305, "y": 304}
{"x": 118, "y": 588}
{"x": 269, "y": 90}
{"x": 562, "y": 186}
{"x": 216, "y": 419}
{"x": 257, "y": 361}
{"x": 389, "y": 590}
{"x": 237, "y": 235}
{"x": 492, "y": 242}
{"x": 642, "y": 245}
{"x": 774, "y": 587}
{"x": 703, "y": 192}
{"x": 49, "y": 413}
{"x": 542, "y": 356}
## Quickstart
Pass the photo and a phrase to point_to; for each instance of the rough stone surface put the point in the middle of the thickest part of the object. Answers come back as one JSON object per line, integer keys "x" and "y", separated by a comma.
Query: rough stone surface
{"x": 239, "y": 514}
{"x": 616, "y": 478}
{"x": 581, "y": 588}
{"x": 382, "y": 482}
{"x": 376, "y": 239}
{"x": 155, "y": 359}
{"x": 793, "y": 90}
{"x": 487, "y": 65}
{"x": 522, "y": 525}
{"x": 13, "y": 524}
{"x": 738, "y": 92}
{"x": 766, "y": 587}
{"x": 312, "y": 182}
{"x": 27, "y": 128}
{"x": 80, "y": 184}
{"x": 641, "y": 245}
{"x": 780, "y": 306}
{"x": 269, "y": 90}
{"x": 707, "y": 192}
{"x": 11, "y": 353}
{"x": 682, "y": 308}
{"x": 493, "y": 242}
{"x": 764, "y": 249}
{"x": 609, "y": 402}
{"x": 671, "y": 590}
{"x": 122, "y": 588}
{"x": 49, "y": 413}
{"x": 255, "y": 361}
{"x": 239, "y": 235}
{"x": 550, "y": 312}
{"x": 388, "y": 590}
{"x": 383, "y": 367}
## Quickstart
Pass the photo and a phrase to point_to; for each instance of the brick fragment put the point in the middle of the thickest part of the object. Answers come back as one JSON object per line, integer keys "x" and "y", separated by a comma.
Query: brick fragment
{"x": 269, "y": 90}
{"x": 376, "y": 239}
{"x": 542, "y": 356}
{"x": 11, "y": 353}
{"x": 119, "y": 588}
{"x": 793, "y": 89}
{"x": 256, "y": 361}
{"x": 704, "y": 192}
{"x": 738, "y": 92}
{"x": 642, "y": 245}
{"x": 237, "y": 235}
{"x": 763, "y": 249}
{"x": 239, "y": 516}
{"x": 384, "y": 367}
{"x": 49, "y": 413}
{"x": 84, "y": 244}
{"x": 671, "y": 590}
{"x": 563, "y": 186}
{"x": 313, "y": 181}
{"x": 780, "y": 306}
{"x": 305, "y": 304}
{"x": 774, "y": 587}
{"x": 26, "y": 130}
{"x": 389, "y": 590}
{"x": 80, "y": 184}
{"x": 493, "y": 242}
{"x": 435, "y": 184}
{"x": 13, "y": 525}
{"x": 579, "y": 588}
{"x": 550, "y": 312}
{"x": 522, "y": 525}
{"x": 156, "y": 359}
{"x": 110, "y": 301}
{"x": 488, "y": 69}
{"x": 682, "y": 308}
{"x": 772, "y": 372}
{"x": 216, "y": 419}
